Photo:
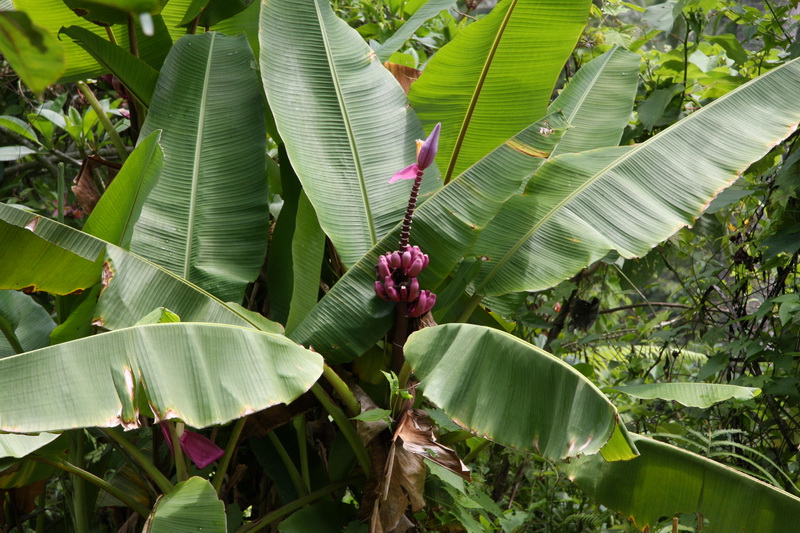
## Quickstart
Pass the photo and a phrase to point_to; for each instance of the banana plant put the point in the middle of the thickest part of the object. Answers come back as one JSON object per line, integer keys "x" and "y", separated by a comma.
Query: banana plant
{"x": 154, "y": 285}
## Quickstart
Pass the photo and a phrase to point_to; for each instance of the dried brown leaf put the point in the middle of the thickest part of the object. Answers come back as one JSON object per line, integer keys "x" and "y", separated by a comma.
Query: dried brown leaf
{"x": 85, "y": 188}
{"x": 405, "y": 76}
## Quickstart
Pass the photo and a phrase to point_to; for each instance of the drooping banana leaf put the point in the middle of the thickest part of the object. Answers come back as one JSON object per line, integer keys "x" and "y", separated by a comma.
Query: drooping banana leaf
{"x": 597, "y": 101}
{"x": 578, "y": 207}
{"x": 665, "y": 480}
{"x": 344, "y": 119}
{"x": 445, "y": 226}
{"x": 206, "y": 218}
{"x": 137, "y": 76}
{"x": 430, "y": 9}
{"x": 192, "y": 506}
{"x": 702, "y": 395}
{"x": 496, "y": 77}
{"x": 204, "y": 374}
{"x": 18, "y": 446}
{"x": 34, "y": 262}
{"x": 509, "y": 391}
{"x": 58, "y": 259}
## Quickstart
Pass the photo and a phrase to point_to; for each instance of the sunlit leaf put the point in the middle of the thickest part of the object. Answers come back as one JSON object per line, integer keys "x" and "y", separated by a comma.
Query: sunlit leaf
{"x": 507, "y": 390}
{"x": 204, "y": 374}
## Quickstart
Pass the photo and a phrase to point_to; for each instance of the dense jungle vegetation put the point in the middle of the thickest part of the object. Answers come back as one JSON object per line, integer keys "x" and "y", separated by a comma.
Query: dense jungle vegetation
{"x": 399, "y": 265}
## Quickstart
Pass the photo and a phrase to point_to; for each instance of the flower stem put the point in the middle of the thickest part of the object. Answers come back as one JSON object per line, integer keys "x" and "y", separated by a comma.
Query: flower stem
{"x": 405, "y": 231}
{"x": 76, "y": 457}
{"x": 341, "y": 388}
{"x": 180, "y": 462}
{"x": 219, "y": 476}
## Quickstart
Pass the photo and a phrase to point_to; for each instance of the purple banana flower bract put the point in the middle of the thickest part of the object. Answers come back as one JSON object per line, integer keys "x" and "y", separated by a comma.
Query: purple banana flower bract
{"x": 425, "y": 156}
{"x": 200, "y": 450}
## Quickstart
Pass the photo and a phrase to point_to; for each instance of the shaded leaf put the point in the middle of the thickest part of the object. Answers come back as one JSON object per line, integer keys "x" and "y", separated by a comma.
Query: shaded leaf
{"x": 29, "y": 321}
{"x": 308, "y": 249}
{"x": 702, "y": 395}
{"x": 137, "y": 76}
{"x": 665, "y": 480}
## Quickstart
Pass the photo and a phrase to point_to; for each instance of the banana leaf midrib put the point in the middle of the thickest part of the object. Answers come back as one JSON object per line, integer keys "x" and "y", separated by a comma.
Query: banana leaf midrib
{"x": 187, "y": 261}
{"x": 487, "y": 65}
{"x": 348, "y": 127}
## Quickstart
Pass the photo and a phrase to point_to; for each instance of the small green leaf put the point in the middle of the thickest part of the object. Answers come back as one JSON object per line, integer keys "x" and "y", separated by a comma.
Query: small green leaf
{"x": 35, "y": 55}
{"x": 702, "y": 395}
{"x": 373, "y": 415}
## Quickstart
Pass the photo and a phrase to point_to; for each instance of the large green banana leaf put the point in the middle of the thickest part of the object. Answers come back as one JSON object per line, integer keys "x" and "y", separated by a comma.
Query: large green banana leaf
{"x": 598, "y": 101}
{"x": 58, "y": 259}
{"x": 578, "y": 207}
{"x": 206, "y": 218}
{"x": 445, "y": 226}
{"x": 204, "y": 374}
{"x": 344, "y": 119}
{"x": 665, "y": 480}
{"x": 509, "y": 391}
{"x": 496, "y": 77}
{"x": 192, "y": 506}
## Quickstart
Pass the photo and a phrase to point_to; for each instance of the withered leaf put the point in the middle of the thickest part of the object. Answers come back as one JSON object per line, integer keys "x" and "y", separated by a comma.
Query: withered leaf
{"x": 404, "y": 75}
{"x": 85, "y": 188}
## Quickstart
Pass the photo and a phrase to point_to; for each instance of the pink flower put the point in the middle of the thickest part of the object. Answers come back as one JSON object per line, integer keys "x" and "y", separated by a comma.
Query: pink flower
{"x": 425, "y": 156}
{"x": 200, "y": 450}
